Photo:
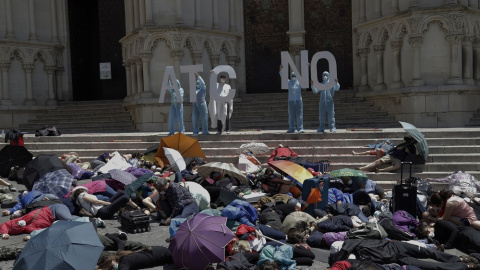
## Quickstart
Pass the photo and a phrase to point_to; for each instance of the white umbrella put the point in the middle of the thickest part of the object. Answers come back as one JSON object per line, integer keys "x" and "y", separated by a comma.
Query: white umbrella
{"x": 255, "y": 148}
{"x": 175, "y": 159}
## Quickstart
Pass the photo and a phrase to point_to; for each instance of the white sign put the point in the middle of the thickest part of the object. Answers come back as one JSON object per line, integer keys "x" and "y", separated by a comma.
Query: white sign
{"x": 105, "y": 71}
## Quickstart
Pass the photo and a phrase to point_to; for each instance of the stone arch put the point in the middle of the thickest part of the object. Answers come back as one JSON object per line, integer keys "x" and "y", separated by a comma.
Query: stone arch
{"x": 445, "y": 24}
{"x": 19, "y": 54}
{"x": 382, "y": 36}
{"x": 400, "y": 30}
{"x": 152, "y": 41}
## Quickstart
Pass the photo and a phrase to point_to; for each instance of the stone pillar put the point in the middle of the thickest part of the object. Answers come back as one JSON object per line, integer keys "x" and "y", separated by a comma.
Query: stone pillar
{"x": 148, "y": 13}
{"x": 413, "y": 4}
{"x": 476, "y": 55}
{"x": 377, "y": 9}
{"x": 147, "y": 91}
{"x": 198, "y": 14}
{"x": 58, "y": 80}
{"x": 51, "y": 85}
{"x": 467, "y": 60}
{"x": 28, "y": 68}
{"x": 362, "y": 15}
{"x": 6, "y": 95}
{"x": 31, "y": 20}
{"x": 53, "y": 18}
{"x": 395, "y": 8}
{"x": 379, "y": 50}
{"x": 142, "y": 12}
{"x": 233, "y": 27}
{"x": 139, "y": 67}
{"x": 214, "y": 59}
{"x": 133, "y": 76}
{"x": 215, "y": 11}
{"x": 136, "y": 14}
{"x": 8, "y": 15}
{"x": 416, "y": 42}
{"x": 453, "y": 39}
{"x": 363, "y": 53}
{"x": 397, "y": 64}
{"x": 128, "y": 77}
{"x": 449, "y": 2}
{"x": 179, "y": 17}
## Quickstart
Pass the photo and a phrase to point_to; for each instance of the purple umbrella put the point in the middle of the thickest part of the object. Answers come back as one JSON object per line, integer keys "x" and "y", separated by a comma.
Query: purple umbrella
{"x": 200, "y": 241}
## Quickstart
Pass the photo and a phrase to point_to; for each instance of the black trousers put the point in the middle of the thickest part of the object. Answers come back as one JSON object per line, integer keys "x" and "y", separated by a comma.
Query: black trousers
{"x": 227, "y": 122}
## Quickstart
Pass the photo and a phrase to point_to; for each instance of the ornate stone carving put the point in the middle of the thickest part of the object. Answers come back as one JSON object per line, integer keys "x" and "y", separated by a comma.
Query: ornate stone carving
{"x": 415, "y": 41}
{"x": 396, "y": 44}
{"x": 379, "y": 49}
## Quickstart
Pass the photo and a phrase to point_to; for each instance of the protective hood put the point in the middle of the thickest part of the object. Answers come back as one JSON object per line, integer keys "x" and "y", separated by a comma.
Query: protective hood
{"x": 323, "y": 76}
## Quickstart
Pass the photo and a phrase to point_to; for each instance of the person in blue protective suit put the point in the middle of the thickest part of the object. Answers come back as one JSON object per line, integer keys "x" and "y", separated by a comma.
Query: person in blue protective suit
{"x": 176, "y": 111}
{"x": 295, "y": 104}
{"x": 199, "y": 108}
{"x": 325, "y": 105}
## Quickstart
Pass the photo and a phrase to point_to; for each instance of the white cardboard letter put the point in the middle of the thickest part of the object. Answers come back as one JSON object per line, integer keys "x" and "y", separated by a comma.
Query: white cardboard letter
{"x": 169, "y": 75}
{"x": 287, "y": 61}
{"x": 332, "y": 67}
{"x": 191, "y": 78}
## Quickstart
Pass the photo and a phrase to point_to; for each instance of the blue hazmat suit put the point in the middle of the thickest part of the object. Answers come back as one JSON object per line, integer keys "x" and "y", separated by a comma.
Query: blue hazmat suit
{"x": 295, "y": 104}
{"x": 199, "y": 108}
{"x": 176, "y": 111}
{"x": 325, "y": 105}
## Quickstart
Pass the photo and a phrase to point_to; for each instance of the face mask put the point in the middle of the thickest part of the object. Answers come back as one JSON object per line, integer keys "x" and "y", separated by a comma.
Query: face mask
{"x": 222, "y": 80}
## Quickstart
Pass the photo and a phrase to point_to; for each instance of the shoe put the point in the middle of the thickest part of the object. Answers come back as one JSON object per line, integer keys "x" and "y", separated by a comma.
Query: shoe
{"x": 122, "y": 235}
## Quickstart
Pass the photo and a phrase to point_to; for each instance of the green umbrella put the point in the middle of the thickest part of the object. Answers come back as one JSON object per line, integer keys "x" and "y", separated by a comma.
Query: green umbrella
{"x": 348, "y": 173}
{"x": 421, "y": 145}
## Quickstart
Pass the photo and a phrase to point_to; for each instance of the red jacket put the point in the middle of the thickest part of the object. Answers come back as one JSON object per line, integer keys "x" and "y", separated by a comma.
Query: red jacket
{"x": 43, "y": 220}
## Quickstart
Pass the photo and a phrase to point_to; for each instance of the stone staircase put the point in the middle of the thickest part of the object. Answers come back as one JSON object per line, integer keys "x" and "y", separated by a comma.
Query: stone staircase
{"x": 84, "y": 117}
{"x": 450, "y": 149}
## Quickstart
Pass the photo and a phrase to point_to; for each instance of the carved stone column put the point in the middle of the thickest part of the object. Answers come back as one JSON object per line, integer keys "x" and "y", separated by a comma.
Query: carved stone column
{"x": 128, "y": 75}
{"x": 147, "y": 91}
{"x": 53, "y": 14}
{"x": 363, "y": 53}
{"x": 449, "y": 2}
{"x": 233, "y": 27}
{"x": 51, "y": 85}
{"x": 467, "y": 60}
{"x": 476, "y": 55}
{"x": 142, "y": 12}
{"x": 215, "y": 11}
{"x": 379, "y": 50}
{"x": 198, "y": 14}
{"x": 395, "y": 8}
{"x": 362, "y": 15}
{"x": 31, "y": 20}
{"x": 139, "y": 67}
{"x": 133, "y": 76}
{"x": 378, "y": 9}
{"x": 454, "y": 39}
{"x": 214, "y": 59}
{"x": 59, "y": 72}
{"x": 415, "y": 42}
{"x": 8, "y": 15}
{"x": 148, "y": 13}
{"x": 28, "y": 81}
{"x": 197, "y": 57}
{"x": 179, "y": 17}
{"x": 5, "y": 91}
{"x": 397, "y": 64}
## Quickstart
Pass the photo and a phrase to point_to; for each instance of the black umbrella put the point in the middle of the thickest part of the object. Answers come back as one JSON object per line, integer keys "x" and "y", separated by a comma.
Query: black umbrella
{"x": 11, "y": 156}
{"x": 40, "y": 166}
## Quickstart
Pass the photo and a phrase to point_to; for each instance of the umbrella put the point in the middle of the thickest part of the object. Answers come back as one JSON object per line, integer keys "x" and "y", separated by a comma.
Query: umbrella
{"x": 186, "y": 146}
{"x": 175, "y": 159}
{"x": 38, "y": 167}
{"x": 292, "y": 169}
{"x": 122, "y": 176}
{"x": 57, "y": 183}
{"x": 421, "y": 145}
{"x": 64, "y": 245}
{"x": 348, "y": 173}
{"x": 11, "y": 156}
{"x": 222, "y": 168}
{"x": 200, "y": 241}
{"x": 135, "y": 185}
{"x": 255, "y": 148}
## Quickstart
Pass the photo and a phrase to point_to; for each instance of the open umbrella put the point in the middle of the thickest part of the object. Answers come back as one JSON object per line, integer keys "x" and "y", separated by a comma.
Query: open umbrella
{"x": 64, "y": 245}
{"x": 57, "y": 183}
{"x": 186, "y": 146}
{"x": 11, "y": 156}
{"x": 295, "y": 171}
{"x": 38, "y": 167}
{"x": 175, "y": 159}
{"x": 421, "y": 145}
{"x": 346, "y": 172}
{"x": 200, "y": 241}
{"x": 222, "y": 168}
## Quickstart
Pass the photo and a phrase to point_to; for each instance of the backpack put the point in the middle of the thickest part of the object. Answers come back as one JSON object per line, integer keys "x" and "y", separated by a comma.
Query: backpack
{"x": 368, "y": 231}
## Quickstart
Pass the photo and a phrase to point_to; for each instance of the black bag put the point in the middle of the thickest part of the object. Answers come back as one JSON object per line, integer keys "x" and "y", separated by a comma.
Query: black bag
{"x": 368, "y": 231}
{"x": 135, "y": 221}
{"x": 404, "y": 195}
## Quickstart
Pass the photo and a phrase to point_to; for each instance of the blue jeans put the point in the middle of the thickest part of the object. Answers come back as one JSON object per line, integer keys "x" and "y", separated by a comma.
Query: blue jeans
{"x": 176, "y": 115}
{"x": 295, "y": 113}
{"x": 61, "y": 212}
{"x": 324, "y": 108}
{"x": 200, "y": 111}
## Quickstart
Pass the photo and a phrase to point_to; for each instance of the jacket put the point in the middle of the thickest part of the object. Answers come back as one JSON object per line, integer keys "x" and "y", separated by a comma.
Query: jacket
{"x": 43, "y": 220}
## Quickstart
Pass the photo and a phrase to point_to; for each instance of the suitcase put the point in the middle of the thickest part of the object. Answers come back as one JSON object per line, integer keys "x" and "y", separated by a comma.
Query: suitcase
{"x": 404, "y": 195}
{"x": 135, "y": 221}
{"x": 315, "y": 183}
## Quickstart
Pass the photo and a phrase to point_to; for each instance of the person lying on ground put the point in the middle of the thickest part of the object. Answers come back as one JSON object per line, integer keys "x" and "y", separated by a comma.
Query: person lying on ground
{"x": 146, "y": 258}
{"x": 99, "y": 208}
{"x": 25, "y": 199}
{"x": 379, "y": 149}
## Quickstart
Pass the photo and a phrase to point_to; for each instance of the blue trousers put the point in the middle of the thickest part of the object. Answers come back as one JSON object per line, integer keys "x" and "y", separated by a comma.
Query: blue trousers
{"x": 200, "y": 112}
{"x": 326, "y": 108}
{"x": 176, "y": 115}
{"x": 295, "y": 113}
